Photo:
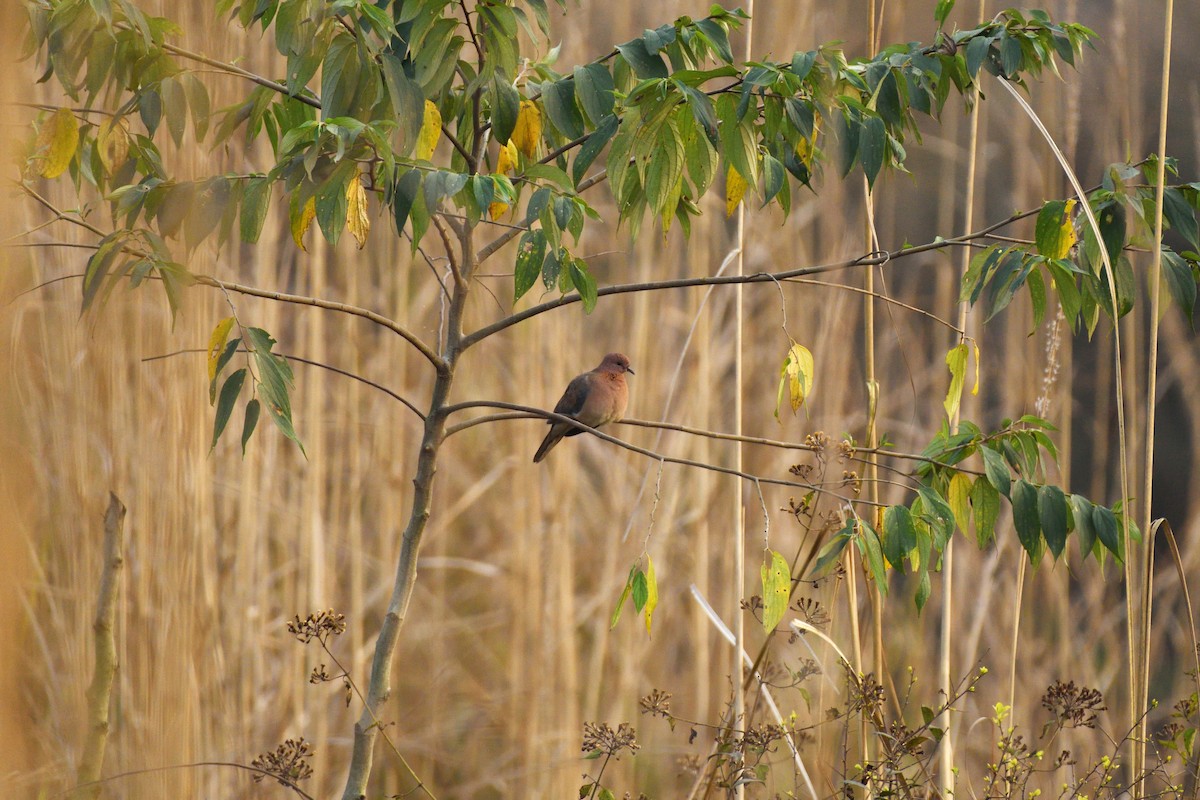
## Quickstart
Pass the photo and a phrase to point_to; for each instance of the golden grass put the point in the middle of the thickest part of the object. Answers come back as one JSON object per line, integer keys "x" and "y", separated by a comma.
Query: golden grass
{"x": 507, "y": 650}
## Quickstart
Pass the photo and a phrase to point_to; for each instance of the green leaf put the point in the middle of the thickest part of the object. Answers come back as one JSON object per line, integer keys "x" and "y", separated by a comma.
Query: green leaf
{"x": 831, "y": 552}
{"x": 440, "y": 185}
{"x": 558, "y": 98}
{"x": 665, "y": 169}
{"x": 640, "y": 590}
{"x": 551, "y": 268}
{"x": 506, "y": 105}
{"x": 1037, "y": 296}
{"x": 643, "y": 62}
{"x": 773, "y": 177}
{"x": 956, "y": 360}
{"x": 251, "y": 420}
{"x": 584, "y": 283}
{"x": 98, "y": 265}
{"x": 593, "y": 146}
{"x": 1026, "y": 518}
{"x": 405, "y": 193}
{"x": 616, "y": 614}
{"x": 1054, "y": 233}
{"x": 899, "y": 535}
{"x": 942, "y": 11}
{"x": 175, "y": 106}
{"x": 776, "y": 589}
{"x": 1181, "y": 216}
{"x": 996, "y": 470}
{"x": 230, "y": 348}
{"x": 703, "y": 111}
{"x": 531, "y": 252}
{"x": 275, "y": 382}
{"x": 702, "y": 161}
{"x": 802, "y": 63}
{"x": 1081, "y": 513}
{"x": 738, "y": 143}
{"x": 985, "y": 503}
{"x": 255, "y": 201}
{"x": 1054, "y": 516}
{"x": 409, "y": 103}
{"x": 1180, "y": 280}
{"x": 717, "y": 38}
{"x": 594, "y": 88}
{"x": 229, "y": 394}
{"x": 872, "y": 553}
{"x": 1104, "y": 521}
{"x": 872, "y": 145}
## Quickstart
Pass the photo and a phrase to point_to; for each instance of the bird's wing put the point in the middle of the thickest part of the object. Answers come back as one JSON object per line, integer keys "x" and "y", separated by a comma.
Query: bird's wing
{"x": 575, "y": 396}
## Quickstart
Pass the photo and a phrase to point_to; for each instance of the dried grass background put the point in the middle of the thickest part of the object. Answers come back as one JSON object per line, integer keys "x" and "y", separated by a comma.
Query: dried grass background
{"x": 507, "y": 649}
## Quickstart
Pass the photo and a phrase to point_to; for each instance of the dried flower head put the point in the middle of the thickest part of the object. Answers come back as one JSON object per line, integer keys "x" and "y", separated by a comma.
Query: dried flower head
{"x": 319, "y": 626}
{"x": 1073, "y": 706}
{"x": 657, "y": 703}
{"x": 598, "y": 737}
{"x": 812, "y": 612}
{"x": 288, "y": 762}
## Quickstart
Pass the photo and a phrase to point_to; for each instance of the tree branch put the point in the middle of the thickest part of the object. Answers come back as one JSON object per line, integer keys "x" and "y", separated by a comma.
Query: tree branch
{"x": 550, "y": 415}
{"x": 869, "y": 260}
{"x": 329, "y": 305}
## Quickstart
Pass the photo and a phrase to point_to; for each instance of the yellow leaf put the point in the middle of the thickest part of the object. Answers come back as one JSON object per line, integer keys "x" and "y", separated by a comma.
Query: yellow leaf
{"x": 216, "y": 343}
{"x": 431, "y": 131}
{"x": 56, "y": 143}
{"x": 112, "y": 142}
{"x": 357, "y": 221}
{"x": 651, "y": 592}
{"x": 301, "y": 220}
{"x": 956, "y": 360}
{"x": 975, "y": 388}
{"x": 1066, "y": 236}
{"x": 507, "y": 161}
{"x": 497, "y": 210}
{"x": 959, "y": 494}
{"x": 735, "y": 190}
{"x": 796, "y": 378}
{"x": 777, "y": 586}
{"x": 528, "y": 131}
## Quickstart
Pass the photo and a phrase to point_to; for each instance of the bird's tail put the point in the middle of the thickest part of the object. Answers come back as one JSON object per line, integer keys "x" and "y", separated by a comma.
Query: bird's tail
{"x": 552, "y": 438}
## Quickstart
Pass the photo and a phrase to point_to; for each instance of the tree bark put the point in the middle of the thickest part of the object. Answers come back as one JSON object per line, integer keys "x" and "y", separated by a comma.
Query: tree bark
{"x": 105, "y": 670}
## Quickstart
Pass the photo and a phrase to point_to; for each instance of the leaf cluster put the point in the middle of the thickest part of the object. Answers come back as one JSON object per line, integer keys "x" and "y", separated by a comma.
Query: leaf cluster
{"x": 1067, "y": 257}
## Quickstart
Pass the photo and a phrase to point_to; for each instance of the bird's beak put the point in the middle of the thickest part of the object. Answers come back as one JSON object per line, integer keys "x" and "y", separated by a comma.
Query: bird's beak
{"x": 630, "y": 370}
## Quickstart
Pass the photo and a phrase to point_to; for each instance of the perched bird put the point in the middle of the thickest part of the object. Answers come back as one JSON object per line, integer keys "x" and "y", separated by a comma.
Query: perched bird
{"x": 594, "y": 398}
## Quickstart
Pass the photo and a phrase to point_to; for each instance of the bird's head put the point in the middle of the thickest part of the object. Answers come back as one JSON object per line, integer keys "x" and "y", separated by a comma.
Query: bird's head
{"x": 616, "y": 362}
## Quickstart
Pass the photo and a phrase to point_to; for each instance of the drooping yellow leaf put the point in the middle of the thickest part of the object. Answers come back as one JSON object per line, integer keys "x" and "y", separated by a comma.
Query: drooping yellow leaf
{"x": 431, "y": 131}
{"x": 796, "y": 378}
{"x": 112, "y": 142}
{"x": 301, "y": 219}
{"x": 507, "y": 161}
{"x": 651, "y": 593}
{"x": 528, "y": 131}
{"x": 735, "y": 190}
{"x": 959, "y": 494}
{"x": 1066, "y": 235}
{"x": 56, "y": 143}
{"x": 497, "y": 210}
{"x": 776, "y": 588}
{"x": 956, "y": 360}
{"x": 357, "y": 221}
{"x": 216, "y": 343}
{"x": 975, "y": 388}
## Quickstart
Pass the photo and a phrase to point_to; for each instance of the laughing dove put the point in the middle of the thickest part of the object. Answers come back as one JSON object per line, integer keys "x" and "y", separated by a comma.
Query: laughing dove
{"x": 594, "y": 398}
